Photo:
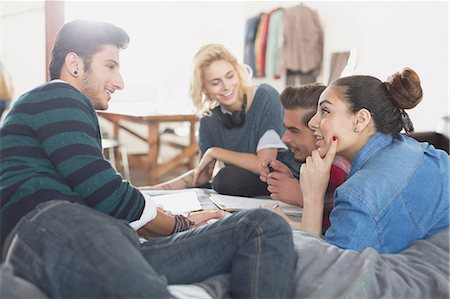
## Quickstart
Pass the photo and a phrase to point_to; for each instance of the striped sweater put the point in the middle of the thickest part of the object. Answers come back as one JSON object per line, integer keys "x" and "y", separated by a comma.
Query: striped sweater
{"x": 50, "y": 149}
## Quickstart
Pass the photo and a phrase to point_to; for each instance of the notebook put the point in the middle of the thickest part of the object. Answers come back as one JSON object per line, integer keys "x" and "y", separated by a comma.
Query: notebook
{"x": 236, "y": 203}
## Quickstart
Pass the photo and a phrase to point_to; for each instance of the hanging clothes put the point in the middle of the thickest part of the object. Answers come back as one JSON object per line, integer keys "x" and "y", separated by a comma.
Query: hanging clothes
{"x": 272, "y": 68}
{"x": 251, "y": 28}
{"x": 302, "y": 48}
{"x": 296, "y": 78}
{"x": 260, "y": 44}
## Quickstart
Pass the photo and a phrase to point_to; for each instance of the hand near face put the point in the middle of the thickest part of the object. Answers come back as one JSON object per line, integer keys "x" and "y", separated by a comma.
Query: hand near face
{"x": 315, "y": 173}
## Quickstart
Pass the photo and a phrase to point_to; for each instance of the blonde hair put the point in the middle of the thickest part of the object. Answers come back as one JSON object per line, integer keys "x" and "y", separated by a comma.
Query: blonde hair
{"x": 6, "y": 87}
{"x": 205, "y": 56}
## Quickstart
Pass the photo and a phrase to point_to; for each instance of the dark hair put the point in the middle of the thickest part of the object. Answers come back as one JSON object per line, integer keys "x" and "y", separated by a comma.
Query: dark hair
{"x": 85, "y": 38}
{"x": 305, "y": 96}
{"x": 386, "y": 101}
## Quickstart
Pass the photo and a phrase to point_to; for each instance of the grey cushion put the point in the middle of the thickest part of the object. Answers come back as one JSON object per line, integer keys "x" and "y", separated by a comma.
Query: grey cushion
{"x": 12, "y": 286}
{"x": 326, "y": 271}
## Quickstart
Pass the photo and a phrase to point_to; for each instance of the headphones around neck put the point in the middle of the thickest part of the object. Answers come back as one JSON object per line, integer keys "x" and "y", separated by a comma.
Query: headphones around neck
{"x": 236, "y": 118}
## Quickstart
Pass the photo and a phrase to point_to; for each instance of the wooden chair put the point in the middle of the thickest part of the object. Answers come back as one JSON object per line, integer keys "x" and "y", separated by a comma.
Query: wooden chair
{"x": 438, "y": 140}
{"x": 111, "y": 148}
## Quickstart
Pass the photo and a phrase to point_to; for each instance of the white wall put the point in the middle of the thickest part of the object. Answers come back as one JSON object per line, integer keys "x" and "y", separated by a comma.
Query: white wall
{"x": 392, "y": 35}
{"x": 165, "y": 36}
{"x": 22, "y": 43}
{"x": 388, "y": 35}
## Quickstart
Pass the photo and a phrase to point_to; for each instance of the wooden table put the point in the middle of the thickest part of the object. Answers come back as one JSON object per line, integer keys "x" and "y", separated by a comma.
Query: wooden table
{"x": 133, "y": 113}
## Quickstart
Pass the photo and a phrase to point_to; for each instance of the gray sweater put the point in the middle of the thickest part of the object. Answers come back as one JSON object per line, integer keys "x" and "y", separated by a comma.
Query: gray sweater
{"x": 265, "y": 113}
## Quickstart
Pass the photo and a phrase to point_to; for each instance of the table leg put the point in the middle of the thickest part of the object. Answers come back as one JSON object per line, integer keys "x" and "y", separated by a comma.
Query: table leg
{"x": 192, "y": 141}
{"x": 116, "y": 128}
{"x": 153, "y": 151}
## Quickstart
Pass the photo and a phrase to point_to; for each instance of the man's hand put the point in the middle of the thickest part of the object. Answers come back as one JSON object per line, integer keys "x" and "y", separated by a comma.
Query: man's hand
{"x": 264, "y": 170}
{"x": 284, "y": 188}
{"x": 201, "y": 218}
{"x": 282, "y": 184}
{"x": 276, "y": 166}
{"x": 161, "y": 225}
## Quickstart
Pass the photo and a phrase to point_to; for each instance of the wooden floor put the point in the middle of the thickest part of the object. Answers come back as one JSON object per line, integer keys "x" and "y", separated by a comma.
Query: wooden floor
{"x": 139, "y": 176}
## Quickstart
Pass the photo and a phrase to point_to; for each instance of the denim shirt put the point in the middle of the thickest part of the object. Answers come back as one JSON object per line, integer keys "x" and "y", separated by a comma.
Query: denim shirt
{"x": 397, "y": 192}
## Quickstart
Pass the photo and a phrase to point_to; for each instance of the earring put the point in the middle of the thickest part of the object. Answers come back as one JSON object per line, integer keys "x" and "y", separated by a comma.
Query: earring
{"x": 75, "y": 73}
{"x": 355, "y": 129}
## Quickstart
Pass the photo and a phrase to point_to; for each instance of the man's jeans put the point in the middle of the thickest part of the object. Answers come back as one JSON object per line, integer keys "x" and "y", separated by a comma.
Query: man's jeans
{"x": 72, "y": 251}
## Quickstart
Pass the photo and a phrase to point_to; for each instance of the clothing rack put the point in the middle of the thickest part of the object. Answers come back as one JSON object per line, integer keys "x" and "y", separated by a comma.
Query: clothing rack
{"x": 285, "y": 42}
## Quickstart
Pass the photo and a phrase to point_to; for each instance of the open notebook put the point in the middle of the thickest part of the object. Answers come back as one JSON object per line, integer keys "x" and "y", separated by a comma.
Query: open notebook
{"x": 178, "y": 202}
{"x": 236, "y": 203}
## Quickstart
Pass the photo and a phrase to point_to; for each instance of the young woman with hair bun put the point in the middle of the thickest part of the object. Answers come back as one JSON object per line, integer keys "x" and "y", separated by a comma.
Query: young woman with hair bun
{"x": 397, "y": 190}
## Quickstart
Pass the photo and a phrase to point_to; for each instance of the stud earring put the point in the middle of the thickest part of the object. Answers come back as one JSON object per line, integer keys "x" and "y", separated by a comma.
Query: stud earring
{"x": 75, "y": 73}
{"x": 355, "y": 129}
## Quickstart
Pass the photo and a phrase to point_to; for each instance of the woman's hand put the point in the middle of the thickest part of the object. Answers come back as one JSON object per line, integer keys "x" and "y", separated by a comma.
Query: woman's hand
{"x": 204, "y": 170}
{"x": 315, "y": 172}
{"x": 148, "y": 188}
{"x": 314, "y": 177}
{"x": 279, "y": 211}
{"x": 276, "y": 209}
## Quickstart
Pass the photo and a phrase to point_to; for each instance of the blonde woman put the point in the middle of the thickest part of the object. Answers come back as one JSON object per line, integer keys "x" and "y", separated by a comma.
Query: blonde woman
{"x": 6, "y": 90}
{"x": 241, "y": 125}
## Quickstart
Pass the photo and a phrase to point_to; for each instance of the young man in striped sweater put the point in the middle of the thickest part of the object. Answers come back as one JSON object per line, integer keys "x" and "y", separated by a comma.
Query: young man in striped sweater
{"x": 68, "y": 220}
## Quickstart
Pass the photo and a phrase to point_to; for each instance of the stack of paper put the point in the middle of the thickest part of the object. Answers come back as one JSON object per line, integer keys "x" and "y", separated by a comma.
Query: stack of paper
{"x": 237, "y": 203}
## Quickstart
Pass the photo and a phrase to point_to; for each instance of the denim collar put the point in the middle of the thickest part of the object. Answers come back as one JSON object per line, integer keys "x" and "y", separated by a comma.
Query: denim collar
{"x": 375, "y": 143}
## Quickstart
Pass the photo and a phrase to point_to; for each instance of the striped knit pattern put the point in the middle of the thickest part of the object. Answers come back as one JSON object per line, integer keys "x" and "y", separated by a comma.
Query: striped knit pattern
{"x": 50, "y": 149}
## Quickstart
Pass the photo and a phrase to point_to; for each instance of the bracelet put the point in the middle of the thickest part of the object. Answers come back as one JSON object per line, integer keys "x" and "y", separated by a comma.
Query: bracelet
{"x": 182, "y": 224}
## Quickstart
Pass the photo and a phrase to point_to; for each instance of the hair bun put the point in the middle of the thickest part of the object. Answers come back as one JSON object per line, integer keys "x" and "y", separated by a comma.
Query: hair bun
{"x": 405, "y": 88}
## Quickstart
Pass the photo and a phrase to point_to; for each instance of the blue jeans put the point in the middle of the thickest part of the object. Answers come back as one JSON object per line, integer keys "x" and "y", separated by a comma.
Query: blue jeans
{"x": 72, "y": 251}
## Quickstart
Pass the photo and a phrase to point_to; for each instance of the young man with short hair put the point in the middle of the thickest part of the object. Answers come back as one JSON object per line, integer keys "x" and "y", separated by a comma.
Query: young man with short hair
{"x": 300, "y": 105}
{"x": 68, "y": 219}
